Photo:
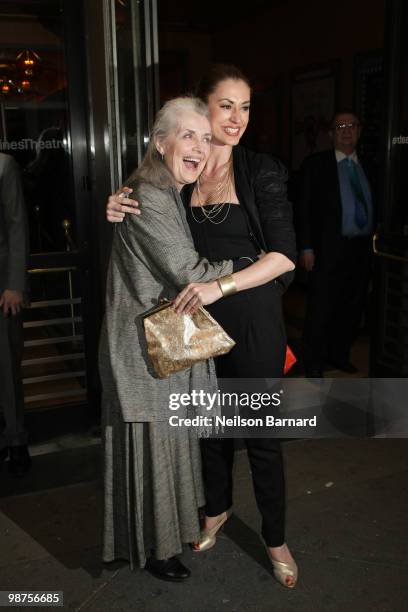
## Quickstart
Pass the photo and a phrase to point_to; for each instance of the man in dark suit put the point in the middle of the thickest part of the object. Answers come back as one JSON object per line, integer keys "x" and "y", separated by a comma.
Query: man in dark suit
{"x": 13, "y": 255}
{"x": 334, "y": 213}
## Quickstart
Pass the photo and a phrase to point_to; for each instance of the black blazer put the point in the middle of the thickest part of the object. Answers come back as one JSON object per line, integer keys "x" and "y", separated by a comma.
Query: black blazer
{"x": 260, "y": 183}
{"x": 318, "y": 209}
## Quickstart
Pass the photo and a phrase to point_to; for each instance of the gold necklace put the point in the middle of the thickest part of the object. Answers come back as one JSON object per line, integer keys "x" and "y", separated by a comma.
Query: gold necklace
{"x": 221, "y": 192}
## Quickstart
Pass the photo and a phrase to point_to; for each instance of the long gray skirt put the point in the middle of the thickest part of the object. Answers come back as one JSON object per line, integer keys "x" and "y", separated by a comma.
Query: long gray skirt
{"x": 153, "y": 488}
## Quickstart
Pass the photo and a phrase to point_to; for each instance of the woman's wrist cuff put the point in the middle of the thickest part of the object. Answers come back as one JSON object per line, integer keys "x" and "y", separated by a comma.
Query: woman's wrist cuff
{"x": 227, "y": 285}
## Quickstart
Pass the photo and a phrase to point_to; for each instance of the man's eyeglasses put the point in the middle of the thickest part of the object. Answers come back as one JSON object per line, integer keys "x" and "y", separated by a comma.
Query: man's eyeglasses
{"x": 339, "y": 127}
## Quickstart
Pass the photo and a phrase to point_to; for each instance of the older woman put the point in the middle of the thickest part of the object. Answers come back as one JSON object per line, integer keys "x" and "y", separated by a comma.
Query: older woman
{"x": 237, "y": 209}
{"x": 153, "y": 485}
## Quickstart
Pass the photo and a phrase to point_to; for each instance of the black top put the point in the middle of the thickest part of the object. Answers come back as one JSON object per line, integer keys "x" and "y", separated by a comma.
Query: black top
{"x": 226, "y": 240}
{"x": 260, "y": 184}
{"x": 253, "y": 318}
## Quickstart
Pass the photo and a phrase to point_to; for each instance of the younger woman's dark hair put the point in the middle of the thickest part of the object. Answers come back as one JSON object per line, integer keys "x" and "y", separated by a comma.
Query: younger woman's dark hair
{"x": 214, "y": 76}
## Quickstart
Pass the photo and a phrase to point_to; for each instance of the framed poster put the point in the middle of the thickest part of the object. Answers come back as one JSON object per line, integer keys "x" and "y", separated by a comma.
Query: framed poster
{"x": 313, "y": 101}
{"x": 369, "y": 101}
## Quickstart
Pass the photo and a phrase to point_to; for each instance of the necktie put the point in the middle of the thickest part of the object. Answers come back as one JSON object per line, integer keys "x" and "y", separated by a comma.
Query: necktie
{"x": 360, "y": 204}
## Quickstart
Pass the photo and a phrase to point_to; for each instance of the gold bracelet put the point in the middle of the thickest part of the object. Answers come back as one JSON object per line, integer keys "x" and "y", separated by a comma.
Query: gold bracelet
{"x": 227, "y": 285}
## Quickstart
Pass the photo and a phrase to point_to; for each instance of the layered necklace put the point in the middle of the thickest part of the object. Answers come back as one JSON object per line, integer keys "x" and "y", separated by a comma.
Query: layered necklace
{"x": 218, "y": 189}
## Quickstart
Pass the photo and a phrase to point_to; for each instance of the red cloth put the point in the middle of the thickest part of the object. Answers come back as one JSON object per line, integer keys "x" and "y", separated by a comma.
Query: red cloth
{"x": 290, "y": 360}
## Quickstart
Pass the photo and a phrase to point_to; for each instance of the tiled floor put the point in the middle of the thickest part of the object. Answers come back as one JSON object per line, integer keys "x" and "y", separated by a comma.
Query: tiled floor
{"x": 69, "y": 441}
{"x": 346, "y": 525}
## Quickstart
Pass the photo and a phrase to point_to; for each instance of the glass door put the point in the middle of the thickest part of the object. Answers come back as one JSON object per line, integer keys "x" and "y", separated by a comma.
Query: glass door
{"x": 78, "y": 92}
{"x": 43, "y": 126}
{"x": 389, "y": 356}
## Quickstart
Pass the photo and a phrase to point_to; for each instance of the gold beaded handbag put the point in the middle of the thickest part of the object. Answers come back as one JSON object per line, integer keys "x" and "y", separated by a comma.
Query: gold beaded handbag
{"x": 177, "y": 341}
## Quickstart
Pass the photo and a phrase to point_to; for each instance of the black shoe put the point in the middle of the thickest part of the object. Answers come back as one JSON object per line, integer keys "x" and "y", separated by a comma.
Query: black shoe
{"x": 171, "y": 569}
{"x": 345, "y": 366}
{"x": 3, "y": 454}
{"x": 19, "y": 460}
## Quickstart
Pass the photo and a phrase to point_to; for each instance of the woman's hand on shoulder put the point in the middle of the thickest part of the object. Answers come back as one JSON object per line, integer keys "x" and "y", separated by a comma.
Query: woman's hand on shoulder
{"x": 195, "y": 295}
{"x": 119, "y": 204}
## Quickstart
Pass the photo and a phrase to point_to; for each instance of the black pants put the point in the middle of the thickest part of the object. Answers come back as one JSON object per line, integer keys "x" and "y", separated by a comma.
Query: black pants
{"x": 265, "y": 458}
{"x": 254, "y": 319}
{"x": 336, "y": 295}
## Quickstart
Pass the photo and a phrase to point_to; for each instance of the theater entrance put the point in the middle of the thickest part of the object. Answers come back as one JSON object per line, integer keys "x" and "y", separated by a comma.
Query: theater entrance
{"x": 77, "y": 92}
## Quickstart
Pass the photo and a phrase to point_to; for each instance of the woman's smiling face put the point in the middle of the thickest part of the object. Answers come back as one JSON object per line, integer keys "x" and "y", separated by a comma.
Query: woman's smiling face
{"x": 186, "y": 150}
{"x": 229, "y": 111}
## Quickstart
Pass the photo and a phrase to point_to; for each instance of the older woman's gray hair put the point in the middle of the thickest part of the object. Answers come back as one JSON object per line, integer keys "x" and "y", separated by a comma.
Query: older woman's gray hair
{"x": 153, "y": 169}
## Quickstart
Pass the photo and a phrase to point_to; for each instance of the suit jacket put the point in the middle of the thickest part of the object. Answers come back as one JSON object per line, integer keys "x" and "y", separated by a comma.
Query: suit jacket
{"x": 152, "y": 257}
{"x": 260, "y": 183}
{"x": 13, "y": 227}
{"x": 318, "y": 208}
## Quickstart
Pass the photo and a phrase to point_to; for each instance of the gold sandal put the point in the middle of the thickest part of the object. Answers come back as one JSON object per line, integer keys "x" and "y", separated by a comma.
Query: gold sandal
{"x": 208, "y": 536}
{"x": 285, "y": 573}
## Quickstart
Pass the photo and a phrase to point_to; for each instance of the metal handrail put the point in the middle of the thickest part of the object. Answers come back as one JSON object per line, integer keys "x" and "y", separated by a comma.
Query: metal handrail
{"x": 53, "y": 359}
{"x": 53, "y": 340}
{"x": 46, "y": 303}
{"x": 46, "y": 322}
{"x": 61, "y": 376}
{"x": 55, "y": 395}
{"x": 384, "y": 254}
{"x": 49, "y": 270}
{"x": 47, "y": 381}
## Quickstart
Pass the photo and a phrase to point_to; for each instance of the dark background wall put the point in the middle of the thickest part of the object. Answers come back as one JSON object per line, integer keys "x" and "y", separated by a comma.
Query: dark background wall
{"x": 269, "y": 41}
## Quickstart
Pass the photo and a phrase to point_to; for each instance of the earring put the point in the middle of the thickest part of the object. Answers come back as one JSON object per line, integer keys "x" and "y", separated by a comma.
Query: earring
{"x": 162, "y": 156}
